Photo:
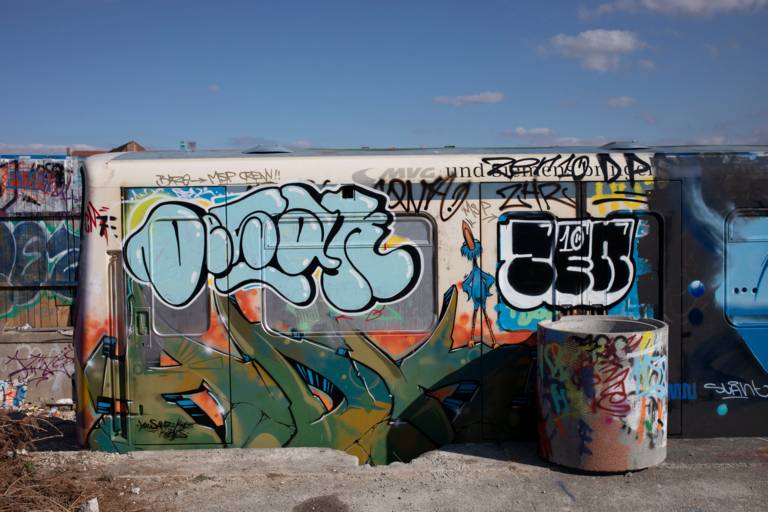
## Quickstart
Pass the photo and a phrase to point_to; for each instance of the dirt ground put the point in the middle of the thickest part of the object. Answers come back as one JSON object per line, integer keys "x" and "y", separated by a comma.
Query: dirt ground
{"x": 699, "y": 475}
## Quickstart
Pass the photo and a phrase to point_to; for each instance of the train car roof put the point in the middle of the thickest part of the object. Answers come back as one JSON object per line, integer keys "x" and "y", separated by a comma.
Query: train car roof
{"x": 446, "y": 150}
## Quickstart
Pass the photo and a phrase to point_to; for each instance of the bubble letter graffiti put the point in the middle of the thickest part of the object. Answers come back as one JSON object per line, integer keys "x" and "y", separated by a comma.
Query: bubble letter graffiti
{"x": 277, "y": 237}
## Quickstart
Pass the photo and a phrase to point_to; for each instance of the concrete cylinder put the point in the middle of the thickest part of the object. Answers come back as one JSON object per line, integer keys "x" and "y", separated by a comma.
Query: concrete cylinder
{"x": 602, "y": 392}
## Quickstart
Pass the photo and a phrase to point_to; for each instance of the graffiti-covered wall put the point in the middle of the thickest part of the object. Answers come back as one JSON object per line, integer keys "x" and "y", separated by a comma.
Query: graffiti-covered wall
{"x": 374, "y": 313}
{"x": 40, "y": 207}
{"x": 392, "y": 307}
{"x": 36, "y": 368}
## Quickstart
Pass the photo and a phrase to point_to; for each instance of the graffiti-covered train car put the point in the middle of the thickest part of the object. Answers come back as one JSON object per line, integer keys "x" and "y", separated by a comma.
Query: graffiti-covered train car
{"x": 385, "y": 303}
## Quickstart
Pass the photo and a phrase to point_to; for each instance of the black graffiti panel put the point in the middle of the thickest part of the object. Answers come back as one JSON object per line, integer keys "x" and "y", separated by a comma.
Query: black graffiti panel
{"x": 612, "y": 244}
{"x": 564, "y": 263}
{"x": 533, "y": 269}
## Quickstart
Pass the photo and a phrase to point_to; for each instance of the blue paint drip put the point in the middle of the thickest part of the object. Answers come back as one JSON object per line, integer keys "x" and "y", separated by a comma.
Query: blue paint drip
{"x": 587, "y": 385}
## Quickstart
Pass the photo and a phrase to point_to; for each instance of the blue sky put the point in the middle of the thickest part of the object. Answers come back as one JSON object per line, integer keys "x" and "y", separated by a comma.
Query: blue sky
{"x": 96, "y": 73}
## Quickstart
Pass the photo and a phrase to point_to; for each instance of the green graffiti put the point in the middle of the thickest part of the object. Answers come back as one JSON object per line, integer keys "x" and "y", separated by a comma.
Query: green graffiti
{"x": 268, "y": 390}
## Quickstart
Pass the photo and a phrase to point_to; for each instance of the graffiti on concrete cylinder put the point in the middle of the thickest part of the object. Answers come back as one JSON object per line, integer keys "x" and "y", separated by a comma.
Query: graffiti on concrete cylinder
{"x": 602, "y": 388}
{"x": 254, "y": 240}
{"x": 565, "y": 263}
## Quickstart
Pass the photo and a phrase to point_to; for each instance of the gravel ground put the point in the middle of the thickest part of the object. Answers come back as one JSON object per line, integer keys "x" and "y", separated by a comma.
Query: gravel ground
{"x": 699, "y": 475}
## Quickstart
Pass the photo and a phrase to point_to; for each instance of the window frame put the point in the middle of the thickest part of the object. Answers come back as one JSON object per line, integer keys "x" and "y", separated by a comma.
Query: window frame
{"x": 434, "y": 289}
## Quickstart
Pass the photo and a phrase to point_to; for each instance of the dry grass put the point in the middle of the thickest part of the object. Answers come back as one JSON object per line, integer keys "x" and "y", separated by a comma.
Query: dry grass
{"x": 25, "y": 486}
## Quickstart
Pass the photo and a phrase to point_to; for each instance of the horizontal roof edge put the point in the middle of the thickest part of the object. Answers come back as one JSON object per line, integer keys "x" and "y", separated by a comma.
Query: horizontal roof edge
{"x": 667, "y": 150}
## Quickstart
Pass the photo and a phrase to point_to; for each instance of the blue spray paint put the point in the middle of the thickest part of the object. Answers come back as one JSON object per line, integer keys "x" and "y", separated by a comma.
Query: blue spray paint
{"x": 277, "y": 237}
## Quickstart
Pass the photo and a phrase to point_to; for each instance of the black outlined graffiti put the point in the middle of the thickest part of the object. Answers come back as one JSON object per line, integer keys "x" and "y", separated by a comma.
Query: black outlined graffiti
{"x": 564, "y": 263}
{"x": 541, "y": 196}
{"x": 168, "y": 430}
{"x": 575, "y": 167}
{"x": 278, "y": 237}
{"x": 415, "y": 197}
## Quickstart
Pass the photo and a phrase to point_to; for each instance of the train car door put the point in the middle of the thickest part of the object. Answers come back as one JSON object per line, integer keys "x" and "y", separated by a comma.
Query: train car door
{"x": 178, "y": 346}
{"x": 652, "y": 206}
{"x": 521, "y": 223}
{"x": 570, "y": 246}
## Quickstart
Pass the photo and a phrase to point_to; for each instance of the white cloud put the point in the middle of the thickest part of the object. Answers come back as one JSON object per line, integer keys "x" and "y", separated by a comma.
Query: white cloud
{"x": 44, "y": 149}
{"x": 470, "y": 99}
{"x": 702, "y": 7}
{"x": 621, "y": 102}
{"x": 672, "y": 7}
{"x": 549, "y": 137}
{"x": 214, "y": 88}
{"x": 647, "y": 64}
{"x": 598, "y": 50}
{"x": 533, "y": 132}
{"x": 586, "y": 13}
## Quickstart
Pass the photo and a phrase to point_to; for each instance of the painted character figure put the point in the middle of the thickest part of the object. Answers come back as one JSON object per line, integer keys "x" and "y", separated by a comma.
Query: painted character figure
{"x": 477, "y": 284}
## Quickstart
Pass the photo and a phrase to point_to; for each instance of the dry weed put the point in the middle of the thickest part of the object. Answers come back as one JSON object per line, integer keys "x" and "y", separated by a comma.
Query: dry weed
{"x": 25, "y": 486}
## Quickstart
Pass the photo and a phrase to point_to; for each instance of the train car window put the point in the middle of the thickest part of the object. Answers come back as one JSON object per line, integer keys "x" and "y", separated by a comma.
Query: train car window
{"x": 746, "y": 290}
{"x": 401, "y": 268}
{"x": 190, "y": 319}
